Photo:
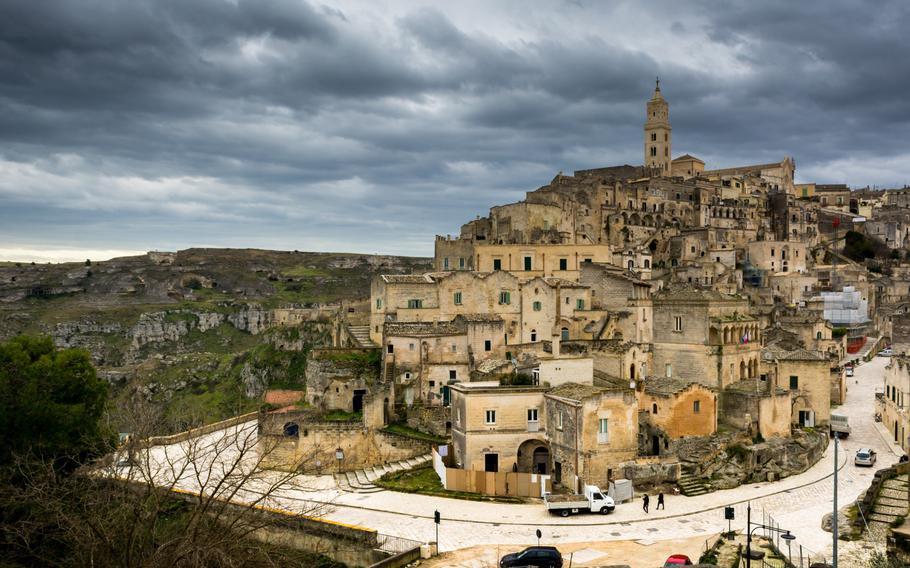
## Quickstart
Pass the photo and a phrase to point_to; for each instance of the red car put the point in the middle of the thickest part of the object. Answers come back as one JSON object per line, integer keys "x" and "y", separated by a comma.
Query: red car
{"x": 678, "y": 560}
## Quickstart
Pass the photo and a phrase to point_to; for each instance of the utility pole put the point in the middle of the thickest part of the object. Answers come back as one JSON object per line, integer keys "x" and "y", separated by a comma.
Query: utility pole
{"x": 834, "y": 518}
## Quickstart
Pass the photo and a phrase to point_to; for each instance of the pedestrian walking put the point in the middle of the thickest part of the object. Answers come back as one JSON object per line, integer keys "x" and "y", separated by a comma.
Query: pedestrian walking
{"x": 645, "y": 501}
{"x": 660, "y": 502}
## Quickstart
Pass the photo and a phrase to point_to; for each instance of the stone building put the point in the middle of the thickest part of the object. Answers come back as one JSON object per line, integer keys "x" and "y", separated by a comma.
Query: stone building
{"x": 592, "y": 430}
{"x": 807, "y": 375}
{"x": 704, "y": 336}
{"x": 658, "y": 140}
{"x": 893, "y": 406}
{"x": 672, "y": 409}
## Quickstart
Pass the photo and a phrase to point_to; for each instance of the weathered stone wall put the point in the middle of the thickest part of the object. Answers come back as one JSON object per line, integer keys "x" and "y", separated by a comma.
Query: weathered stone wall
{"x": 433, "y": 419}
{"x": 313, "y": 450}
{"x": 333, "y": 376}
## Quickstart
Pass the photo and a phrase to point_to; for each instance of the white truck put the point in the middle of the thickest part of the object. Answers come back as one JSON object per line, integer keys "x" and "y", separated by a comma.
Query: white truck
{"x": 838, "y": 425}
{"x": 593, "y": 500}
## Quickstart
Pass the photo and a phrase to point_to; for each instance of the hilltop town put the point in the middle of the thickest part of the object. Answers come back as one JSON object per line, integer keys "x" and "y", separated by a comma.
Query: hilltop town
{"x": 667, "y": 328}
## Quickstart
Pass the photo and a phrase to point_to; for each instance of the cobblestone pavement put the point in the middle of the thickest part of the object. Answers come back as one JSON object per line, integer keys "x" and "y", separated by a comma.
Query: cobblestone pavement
{"x": 796, "y": 503}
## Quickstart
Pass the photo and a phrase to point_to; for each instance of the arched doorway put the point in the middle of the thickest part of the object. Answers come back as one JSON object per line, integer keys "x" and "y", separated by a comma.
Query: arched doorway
{"x": 533, "y": 456}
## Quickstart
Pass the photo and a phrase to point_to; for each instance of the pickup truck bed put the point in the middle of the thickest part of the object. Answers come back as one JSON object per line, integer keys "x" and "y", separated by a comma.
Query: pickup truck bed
{"x": 566, "y": 499}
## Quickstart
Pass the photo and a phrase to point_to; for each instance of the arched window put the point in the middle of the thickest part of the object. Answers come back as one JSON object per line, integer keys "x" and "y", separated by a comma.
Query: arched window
{"x": 818, "y": 335}
{"x": 654, "y": 408}
{"x": 564, "y": 335}
{"x": 647, "y": 263}
{"x": 631, "y": 264}
{"x": 292, "y": 430}
{"x": 533, "y": 335}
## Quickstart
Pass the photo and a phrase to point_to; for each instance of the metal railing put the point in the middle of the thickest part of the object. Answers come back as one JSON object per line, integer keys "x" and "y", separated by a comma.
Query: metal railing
{"x": 395, "y": 544}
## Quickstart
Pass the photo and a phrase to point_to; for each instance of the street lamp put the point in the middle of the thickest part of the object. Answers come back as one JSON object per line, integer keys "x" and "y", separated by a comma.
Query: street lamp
{"x": 339, "y": 455}
{"x": 750, "y": 527}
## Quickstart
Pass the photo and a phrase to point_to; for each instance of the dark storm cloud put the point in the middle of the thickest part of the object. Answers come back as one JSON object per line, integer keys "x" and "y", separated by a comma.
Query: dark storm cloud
{"x": 292, "y": 124}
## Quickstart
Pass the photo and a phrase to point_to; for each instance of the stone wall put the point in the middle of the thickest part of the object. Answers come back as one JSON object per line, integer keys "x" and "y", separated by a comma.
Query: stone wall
{"x": 335, "y": 376}
{"x": 433, "y": 419}
{"x": 313, "y": 449}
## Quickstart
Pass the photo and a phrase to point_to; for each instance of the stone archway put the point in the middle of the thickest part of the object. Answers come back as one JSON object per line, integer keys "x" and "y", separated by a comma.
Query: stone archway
{"x": 534, "y": 457}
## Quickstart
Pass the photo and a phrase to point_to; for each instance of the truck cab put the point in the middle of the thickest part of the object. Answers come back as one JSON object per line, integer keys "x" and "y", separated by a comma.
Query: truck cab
{"x": 598, "y": 501}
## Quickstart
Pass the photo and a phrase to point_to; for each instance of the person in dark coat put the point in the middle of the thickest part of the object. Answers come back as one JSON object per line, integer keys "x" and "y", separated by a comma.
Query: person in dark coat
{"x": 645, "y": 500}
{"x": 660, "y": 501}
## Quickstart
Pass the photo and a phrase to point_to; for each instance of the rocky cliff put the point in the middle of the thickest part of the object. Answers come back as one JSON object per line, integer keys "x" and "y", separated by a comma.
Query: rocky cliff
{"x": 202, "y": 332}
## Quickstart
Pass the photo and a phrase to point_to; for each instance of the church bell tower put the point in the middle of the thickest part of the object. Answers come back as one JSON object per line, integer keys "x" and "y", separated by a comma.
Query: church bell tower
{"x": 658, "y": 135}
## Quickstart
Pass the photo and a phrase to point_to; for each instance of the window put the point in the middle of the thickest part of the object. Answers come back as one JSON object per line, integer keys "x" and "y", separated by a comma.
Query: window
{"x": 654, "y": 408}
{"x": 794, "y": 382}
{"x": 603, "y": 433}
{"x": 668, "y": 369}
{"x": 653, "y": 137}
{"x": 587, "y": 260}
{"x": 497, "y": 264}
{"x": 772, "y": 252}
{"x": 696, "y": 406}
{"x": 454, "y": 348}
{"x": 677, "y": 323}
{"x": 533, "y": 335}
{"x": 390, "y": 348}
{"x": 579, "y": 304}
{"x": 653, "y": 150}
{"x": 410, "y": 346}
{"x": 527, "y": 263}
{"x": 407, "y": 376}
{"x": 564, "y": 334}
{"x": 563, "y": 263}
{"x": 559, "y": 420}
{"x": 487, "y": 345}
{"x": 378, "y": 303}
{"x": 432, "y": 383}
{"x": 490, "y": 417}
{"x": 536, "y": 306}
{"x": 532, "y": 415}
{"x": 505, "y": 298}
{"x": 415, "y": 304}
{"x": 461, "y": 263}
{"x": 453, "y": 375}
{"x": 445, "y": 263}
{"x": 457, "y": 298}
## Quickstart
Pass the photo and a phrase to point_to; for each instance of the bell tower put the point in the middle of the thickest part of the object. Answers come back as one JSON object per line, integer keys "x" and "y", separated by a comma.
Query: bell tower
{"x": 658, "y": 134}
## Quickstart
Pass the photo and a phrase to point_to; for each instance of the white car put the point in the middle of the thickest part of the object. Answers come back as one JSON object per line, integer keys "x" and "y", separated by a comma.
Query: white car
{"x": 864, "y": 456}
{"x": 886, "y": 352}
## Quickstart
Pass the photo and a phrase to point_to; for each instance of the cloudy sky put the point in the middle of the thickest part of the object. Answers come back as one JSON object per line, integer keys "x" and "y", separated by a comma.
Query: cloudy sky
{"x": 372, "y": 125}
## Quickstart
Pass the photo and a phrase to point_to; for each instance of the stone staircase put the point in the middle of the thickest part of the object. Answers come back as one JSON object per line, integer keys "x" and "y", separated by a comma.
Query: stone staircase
{"x": 891, "y": 502}
{"x": 361, "y": 480}
{"x": 361, "y": 334}
{"x": 692, "y": 486}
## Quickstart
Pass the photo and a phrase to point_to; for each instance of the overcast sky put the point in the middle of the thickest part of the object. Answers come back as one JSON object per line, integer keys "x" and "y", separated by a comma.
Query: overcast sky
{"x": 372, "y": 125}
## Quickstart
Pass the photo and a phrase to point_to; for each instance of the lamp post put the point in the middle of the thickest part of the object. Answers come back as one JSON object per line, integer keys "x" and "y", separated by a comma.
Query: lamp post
{"x": 750, "y": 527}
{"x": 834, "y": 514}
{"x": 339, "y": 455}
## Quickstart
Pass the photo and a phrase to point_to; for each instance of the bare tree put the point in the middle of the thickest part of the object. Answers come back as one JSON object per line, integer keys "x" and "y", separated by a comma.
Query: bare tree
{"x": 199, "y": 498}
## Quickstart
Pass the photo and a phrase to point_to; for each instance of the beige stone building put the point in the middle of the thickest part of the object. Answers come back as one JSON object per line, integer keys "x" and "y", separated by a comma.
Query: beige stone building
{"x": 778, "y": 256}
{"x": 894, "y": 405}
{"x": 592, "y": 430}
{"x": 704, "y": 336}
{"x": 807, "y": 375}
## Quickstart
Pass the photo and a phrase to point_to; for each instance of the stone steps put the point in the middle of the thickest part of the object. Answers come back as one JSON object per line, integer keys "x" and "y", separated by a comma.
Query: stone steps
{"x": 691, "y": 486}
{"x": 361, "y": 480}
{"x": 361, "y": 333}
{"x": 882, "y": 517}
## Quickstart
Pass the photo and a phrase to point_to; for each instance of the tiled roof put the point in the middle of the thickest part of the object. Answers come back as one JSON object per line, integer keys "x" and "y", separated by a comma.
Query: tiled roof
{"x": 688, "y": 157}
{"x": 775, "y": 352}
{"x": 576, "y": 391}
{"x": 282, "y": 397}
{"x": 666, "y": 385}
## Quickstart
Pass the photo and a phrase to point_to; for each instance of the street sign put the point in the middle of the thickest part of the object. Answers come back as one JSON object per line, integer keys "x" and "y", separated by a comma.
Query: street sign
{"x": 729, "y": 514}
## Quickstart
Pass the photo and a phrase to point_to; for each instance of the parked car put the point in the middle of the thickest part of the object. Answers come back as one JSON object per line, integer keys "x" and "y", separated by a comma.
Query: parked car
{"x": 886, "y": 352}
{"x": 536, "y": 556}
{"x": 678, "y": 560}
{"x": 848, "y": 371}
{"x": 864, "y": 456}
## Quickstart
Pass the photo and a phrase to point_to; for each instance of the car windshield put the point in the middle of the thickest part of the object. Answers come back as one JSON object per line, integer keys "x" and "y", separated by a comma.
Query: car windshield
{"x": 598, "y": 496}
{"x": 862, "y": 455}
